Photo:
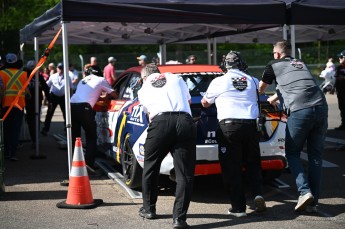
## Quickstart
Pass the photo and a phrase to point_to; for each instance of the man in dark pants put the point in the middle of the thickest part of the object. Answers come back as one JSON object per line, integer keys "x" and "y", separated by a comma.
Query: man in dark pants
{"x": 56, "y": 82}
{"x": 88, "y": 91}
{"x": 236, "y": 98}
{"x": 31, "y": 101}
{"x": 166, "y": 98}
{"x": 306, "y": 107}
{"x": 340, "y": 88}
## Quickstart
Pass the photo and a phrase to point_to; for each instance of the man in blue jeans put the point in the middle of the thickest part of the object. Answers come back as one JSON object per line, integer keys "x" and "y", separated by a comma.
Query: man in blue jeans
{"x": 307, "y": 110}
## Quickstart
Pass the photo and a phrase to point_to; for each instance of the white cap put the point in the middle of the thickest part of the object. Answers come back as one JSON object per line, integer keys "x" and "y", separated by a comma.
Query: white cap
{"x": 111, "y": 59}
{"x": 142, "y": 57}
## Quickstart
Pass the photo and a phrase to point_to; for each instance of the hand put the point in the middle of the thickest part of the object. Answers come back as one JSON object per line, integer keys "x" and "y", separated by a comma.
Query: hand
{"x": 272, "y": 101}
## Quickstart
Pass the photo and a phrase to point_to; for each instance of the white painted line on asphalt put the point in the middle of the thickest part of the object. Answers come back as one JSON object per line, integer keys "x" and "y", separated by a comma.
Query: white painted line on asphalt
{"x": 325, "y": 164}
{"x": 118, "y": 178}
{"x": 335, "y": 140}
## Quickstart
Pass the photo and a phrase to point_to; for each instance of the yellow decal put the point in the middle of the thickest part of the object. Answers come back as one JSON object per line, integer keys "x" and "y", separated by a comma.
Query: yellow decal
{"x": 123, "y": 122}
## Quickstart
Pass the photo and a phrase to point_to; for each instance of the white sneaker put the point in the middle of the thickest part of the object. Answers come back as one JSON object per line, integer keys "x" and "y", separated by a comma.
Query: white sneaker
{"x": 311, "y": 209}
{"x": 237, "y": 214}
{"x": 260, "y": 205}
{"x": 304, "y": 201}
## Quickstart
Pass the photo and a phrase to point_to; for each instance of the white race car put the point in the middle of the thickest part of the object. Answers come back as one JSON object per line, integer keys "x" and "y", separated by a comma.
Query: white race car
{"x": 122, "y": 126}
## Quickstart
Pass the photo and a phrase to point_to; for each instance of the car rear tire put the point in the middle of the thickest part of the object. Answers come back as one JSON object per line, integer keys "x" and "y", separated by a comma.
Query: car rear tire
{"x": 132, "y": 171}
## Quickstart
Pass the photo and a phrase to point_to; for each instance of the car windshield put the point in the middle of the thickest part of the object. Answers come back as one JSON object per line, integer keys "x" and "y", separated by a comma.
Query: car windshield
{"x": 198, "y": 82}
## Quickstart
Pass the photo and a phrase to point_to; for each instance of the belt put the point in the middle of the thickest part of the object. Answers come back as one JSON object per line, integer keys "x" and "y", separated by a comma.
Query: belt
{"x": 171, "y": 113}
{"x": 81, "y": 104}
{"x": 239, "y": 121}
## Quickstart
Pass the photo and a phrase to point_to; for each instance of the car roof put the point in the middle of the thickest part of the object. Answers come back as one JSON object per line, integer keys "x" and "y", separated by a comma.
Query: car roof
{"x": 184, "y": 69}
{"x": 189, "y": 68}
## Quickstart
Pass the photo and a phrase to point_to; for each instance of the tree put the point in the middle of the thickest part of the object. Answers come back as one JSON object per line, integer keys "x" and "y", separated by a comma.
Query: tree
{"x": 15, "y": 14}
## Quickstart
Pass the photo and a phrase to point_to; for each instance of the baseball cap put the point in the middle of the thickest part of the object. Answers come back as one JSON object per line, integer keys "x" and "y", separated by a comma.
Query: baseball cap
{"x": 60, "y": 65}
{"x": 11, "y": 58}
{"x": 142, "y": 57}
{"x": 111, "y": 59}
{"x": 31, "y": 64}
{"x": 341, "y": 54}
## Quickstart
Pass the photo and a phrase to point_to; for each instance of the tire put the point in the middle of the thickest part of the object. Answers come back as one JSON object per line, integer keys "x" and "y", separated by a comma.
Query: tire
{"x": 132, "y": 171}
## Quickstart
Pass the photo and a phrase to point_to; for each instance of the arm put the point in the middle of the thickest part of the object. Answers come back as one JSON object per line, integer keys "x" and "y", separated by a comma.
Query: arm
{"x": 204, "y": 103}
{"x": 262, "y": 87}
{"x": 273, "y": 99}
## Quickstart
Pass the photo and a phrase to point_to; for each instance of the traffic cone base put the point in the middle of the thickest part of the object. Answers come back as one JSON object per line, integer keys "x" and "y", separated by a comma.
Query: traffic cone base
{"x": 95, "y": 203}
{"x": 79, "y": 194}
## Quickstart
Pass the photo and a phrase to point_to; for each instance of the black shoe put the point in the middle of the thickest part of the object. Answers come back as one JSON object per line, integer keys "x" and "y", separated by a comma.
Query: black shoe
{"x": 147, "y": 214}
{"x": 44, "y": 133}
{"x": 179, "y": 223}
{"x": 341, "y": 127}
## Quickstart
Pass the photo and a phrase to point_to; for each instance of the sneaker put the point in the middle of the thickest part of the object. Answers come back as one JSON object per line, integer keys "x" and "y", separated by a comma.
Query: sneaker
{"x": 311, "y": 209}
{"x": 237, "y": 214}
{"x": 147, "y": 214}
{"x": 14, "y": 159}
{"x": 304, "y": 201}
{"x": 260, "y": 205}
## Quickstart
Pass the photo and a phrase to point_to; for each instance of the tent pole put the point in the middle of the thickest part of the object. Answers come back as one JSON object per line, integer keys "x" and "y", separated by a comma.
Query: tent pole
{"x": 285, "y": 37}
{"x": 37, "y": 107}
{"x": 163, "y": 52}
{"x": 293, "y": 40}
{"x": 67, "y": 94}
{"x": 215, "y": 51}
{"x": 208, "y": 50}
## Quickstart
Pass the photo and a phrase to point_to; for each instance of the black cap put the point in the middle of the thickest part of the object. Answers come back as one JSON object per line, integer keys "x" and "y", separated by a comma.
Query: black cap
{"x": 92, "y": 71}
{"x": 341, "y": 54}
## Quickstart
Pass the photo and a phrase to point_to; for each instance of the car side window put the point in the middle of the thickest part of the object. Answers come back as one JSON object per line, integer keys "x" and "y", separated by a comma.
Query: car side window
{"x": 132, "y": 86}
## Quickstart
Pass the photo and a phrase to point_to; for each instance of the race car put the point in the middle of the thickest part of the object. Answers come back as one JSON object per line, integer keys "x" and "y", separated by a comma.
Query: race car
{"x": 122, "y": 126}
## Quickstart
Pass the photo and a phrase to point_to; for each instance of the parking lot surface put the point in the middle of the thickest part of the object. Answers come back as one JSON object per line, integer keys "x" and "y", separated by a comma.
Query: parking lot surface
{"x": 33, "y": 189}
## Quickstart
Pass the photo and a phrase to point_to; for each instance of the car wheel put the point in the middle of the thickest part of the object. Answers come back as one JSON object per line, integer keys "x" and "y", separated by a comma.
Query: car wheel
{"x": 132, "y": 171}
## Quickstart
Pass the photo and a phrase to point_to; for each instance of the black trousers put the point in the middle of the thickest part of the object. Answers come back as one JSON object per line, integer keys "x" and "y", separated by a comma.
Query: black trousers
{"x": 83, "y": 115}
{"x": 341, "y": 102}
{"x": 239, "y": 149}
{"x": 31, "y": 117}
{"x": 54, "y": 102}
{"x": 174, "y": 133}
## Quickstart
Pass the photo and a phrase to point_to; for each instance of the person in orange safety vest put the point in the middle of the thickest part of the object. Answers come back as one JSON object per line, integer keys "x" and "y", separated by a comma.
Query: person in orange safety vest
{"x": 13, "y": 79}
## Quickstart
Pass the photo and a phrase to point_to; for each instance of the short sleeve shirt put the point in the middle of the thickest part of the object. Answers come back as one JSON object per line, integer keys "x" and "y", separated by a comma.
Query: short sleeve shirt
{"x": 230, "y": 101}
{"x": 89, "y": 89}
{"x": 163, "y": 93}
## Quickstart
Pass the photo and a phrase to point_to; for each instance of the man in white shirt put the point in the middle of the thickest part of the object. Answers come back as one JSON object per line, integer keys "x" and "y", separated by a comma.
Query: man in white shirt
{"x": 166, "y": 99}
{"x": 56, "y": 82}
{"x": 236, "y": 98}
{"x": 88, "y": 92}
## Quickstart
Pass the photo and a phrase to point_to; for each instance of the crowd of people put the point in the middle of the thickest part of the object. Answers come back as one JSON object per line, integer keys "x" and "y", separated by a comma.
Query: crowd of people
{"x": 166, "y": 99}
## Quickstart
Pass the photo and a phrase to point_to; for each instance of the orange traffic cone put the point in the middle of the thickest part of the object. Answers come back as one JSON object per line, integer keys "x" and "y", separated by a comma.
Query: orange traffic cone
{"x": 79, "y": 190}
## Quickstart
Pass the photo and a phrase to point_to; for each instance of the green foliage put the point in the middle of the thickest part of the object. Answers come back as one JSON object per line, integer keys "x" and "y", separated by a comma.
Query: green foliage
{"x": 15, "y": 14}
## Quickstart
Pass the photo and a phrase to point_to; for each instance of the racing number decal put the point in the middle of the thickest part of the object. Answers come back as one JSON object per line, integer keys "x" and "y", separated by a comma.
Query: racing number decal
{"x": 137, "y": 114}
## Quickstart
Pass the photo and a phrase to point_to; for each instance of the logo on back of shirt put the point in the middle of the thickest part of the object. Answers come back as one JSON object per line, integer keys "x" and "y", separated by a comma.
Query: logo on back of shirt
{"x": 240, "y": 83}
{"x": 159, "y": 81}
{"x": 296, "y": 63}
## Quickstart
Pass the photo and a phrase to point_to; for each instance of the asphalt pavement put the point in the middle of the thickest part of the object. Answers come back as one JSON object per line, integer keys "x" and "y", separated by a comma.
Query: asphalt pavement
{"x": 33, "y": 188}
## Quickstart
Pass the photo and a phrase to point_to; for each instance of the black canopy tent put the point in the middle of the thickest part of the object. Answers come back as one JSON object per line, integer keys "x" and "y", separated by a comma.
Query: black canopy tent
{"x": 167, "y": 21}
{"x": 173, "y": 15}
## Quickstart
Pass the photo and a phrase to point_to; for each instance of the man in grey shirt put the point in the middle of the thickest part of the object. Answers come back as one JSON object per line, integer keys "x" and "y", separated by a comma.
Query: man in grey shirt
{"x": 307, "y": 110}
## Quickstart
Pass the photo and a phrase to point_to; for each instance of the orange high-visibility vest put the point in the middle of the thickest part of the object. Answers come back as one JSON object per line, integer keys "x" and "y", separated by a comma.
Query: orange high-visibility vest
{"x": 13, "y": 79}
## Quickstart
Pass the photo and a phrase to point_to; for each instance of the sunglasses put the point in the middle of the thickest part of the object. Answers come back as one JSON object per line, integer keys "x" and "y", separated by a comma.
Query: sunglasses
{"x": 341, "y": 57}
